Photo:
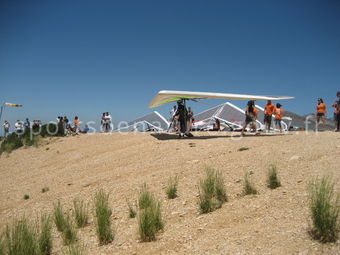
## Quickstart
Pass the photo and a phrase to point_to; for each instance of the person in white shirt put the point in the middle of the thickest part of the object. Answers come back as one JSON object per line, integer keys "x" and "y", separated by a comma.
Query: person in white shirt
{"x": 6, "y": 126}
{"x": 108, "y": 122}
{"x": 19, "y": 127}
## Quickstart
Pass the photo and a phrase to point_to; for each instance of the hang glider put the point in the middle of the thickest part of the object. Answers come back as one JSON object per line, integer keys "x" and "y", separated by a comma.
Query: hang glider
{"x": 169, "y": 96}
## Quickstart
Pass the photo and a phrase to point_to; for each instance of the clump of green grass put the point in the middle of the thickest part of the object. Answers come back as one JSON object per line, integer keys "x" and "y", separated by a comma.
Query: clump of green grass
{"x": 69, "y": 233}
{"x": 150, "y": 216}
{"x": 45, "y": 235}
{"x": 243, "y": 149}
{"x": 273, "y": 181}
{"x": 325, "y": 210}
{"x": 171, "y": 189}
{"x": 21, "y": 238}
{"x": 73, "y": 250}
{"x": 248, "y": 186}
{"x": 132, "y": 211}
{"x": 212, "y": 193}
{"x": 59, "y": 217}
{"x": 103, "y": 222}
{"x": 26, "y": 196}
{"x": 25, "y": 238}
{"x": 45, "y": 189}
{"x": 145, "y": 198}
{"x": 81, "y": 214}
{"x": 2, "y": 245}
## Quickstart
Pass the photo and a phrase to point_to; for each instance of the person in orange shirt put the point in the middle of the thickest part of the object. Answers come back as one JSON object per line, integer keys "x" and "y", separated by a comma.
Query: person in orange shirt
{"x": 335, "y": 106}
{"x": 320, "y": 113}
{"x": 76, "y": 124}
{"x": 268, "y": 112}
{"x": 278, "y": 111}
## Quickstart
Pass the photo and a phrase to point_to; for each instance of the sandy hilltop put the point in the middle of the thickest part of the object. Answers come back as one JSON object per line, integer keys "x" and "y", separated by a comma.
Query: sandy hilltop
{"x": 272, "y": 222}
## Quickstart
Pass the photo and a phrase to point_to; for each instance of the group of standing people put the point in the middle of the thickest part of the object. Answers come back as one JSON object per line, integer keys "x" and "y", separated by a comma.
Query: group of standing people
{"x": 321, "y": 112}
{"x": 181, "y": 119}
{"x": 20, "y": 126}
{"x": 270, "y": 109}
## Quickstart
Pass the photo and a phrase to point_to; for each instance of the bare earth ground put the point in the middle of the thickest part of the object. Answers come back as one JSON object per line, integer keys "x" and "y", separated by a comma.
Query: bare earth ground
{"x": 272, "y": 222}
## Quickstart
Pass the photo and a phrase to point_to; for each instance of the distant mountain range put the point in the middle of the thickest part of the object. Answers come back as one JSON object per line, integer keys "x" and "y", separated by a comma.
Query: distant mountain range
{"x": 300, "y": 121}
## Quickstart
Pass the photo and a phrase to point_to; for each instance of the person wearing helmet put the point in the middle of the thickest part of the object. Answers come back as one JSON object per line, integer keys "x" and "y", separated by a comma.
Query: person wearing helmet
{"x": 182, "y": 116}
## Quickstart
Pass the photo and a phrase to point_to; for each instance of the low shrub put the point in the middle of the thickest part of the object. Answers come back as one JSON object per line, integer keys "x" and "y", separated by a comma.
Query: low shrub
{"x": 132, "y": 211}
{"x": 103, "y": 222}
{"x": 27, "y": 238}
{"x": 14, "y": 141}
{"x": 81, "y": 214}
{"x": 10, "y": 143}
{"x": 273, "y": 181}
{"x": 73, "y": 250}
{"x": 69, "y": 233}
{"x": 21, "y": 238}
{"x": 45, "y": 236}
{"x": 59, "y": 217}
{"x": 2, "y": 245}
{"x": 145, "y": 198}
{"x": 248, "y": 186}
{"x": 325, "y": 210}
{"x": 45, "y": 189}
{"x": 171, "y": 189}
{"x": 212, "y": 193}
{"x": 150, "y": 216}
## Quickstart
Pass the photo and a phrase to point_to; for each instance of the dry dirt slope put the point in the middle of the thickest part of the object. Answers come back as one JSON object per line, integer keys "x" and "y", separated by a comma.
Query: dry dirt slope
{"x": 273, "y": 222}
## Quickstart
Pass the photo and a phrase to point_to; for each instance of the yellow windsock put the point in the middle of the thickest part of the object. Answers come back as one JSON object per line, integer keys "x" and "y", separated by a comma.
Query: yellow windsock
{"x": 13, "y": 105}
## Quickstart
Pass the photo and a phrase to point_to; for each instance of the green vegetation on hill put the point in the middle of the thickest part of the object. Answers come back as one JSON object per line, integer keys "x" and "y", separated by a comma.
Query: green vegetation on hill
{"x": 30, "y": 137}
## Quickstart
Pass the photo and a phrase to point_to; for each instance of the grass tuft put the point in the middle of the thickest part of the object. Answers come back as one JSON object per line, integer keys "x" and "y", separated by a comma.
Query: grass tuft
{"x": 248, "y": 186}
{"x": 45, "y": 236}
{"x": 81, "y": 214}
{"x": 103, "y": 213}
{"x": 212, "y": 193}
{"x": 145, "y": 198}
{"x": 73, "y": 250}
{"x": 20, "y": 238}
{"x": 132, "y": 211}
{"x": 171, "y": 189}
{"x": 25, "y": 238}
{"x": 26, "y": 196}
{"x": 2, "y": 247}
{"x": 150, "y": 216}
{"x": 243, "y": 149}
{"x": 69, "y": 233}
{"x": 273, "y": 181}
{"x": 59, "y": 217}
{"x": 325, "y": 210}
{"x": 45, "y": 189}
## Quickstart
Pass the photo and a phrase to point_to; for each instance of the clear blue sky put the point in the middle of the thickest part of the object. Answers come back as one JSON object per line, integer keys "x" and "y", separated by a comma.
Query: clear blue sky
{"x": 79, "y": 57}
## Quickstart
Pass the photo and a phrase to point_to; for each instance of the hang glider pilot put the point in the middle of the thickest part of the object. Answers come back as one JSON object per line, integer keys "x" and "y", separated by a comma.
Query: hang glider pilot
{"x": 182, "y": 116}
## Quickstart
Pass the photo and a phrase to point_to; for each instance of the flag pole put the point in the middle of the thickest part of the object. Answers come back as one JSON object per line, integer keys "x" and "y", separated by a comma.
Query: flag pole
{"x": 2, "y": 108}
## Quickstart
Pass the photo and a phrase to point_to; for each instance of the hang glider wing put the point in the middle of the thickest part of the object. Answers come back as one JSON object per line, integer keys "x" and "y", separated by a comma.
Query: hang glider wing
{"x": 168, "y": 96}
